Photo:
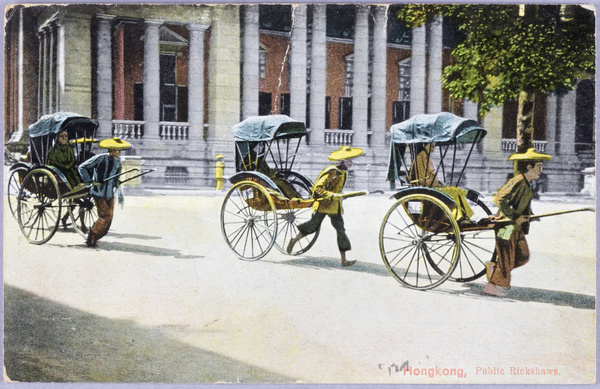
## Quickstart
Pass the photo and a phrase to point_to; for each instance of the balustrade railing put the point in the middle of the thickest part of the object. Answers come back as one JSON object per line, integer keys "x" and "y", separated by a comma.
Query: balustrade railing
{"x": 128, "y": 129}
{"x": 338, "y": 137}
{"x": 174, "y": 130}
{"x": 134, "y": 129}
{"x": 511, "y": 145}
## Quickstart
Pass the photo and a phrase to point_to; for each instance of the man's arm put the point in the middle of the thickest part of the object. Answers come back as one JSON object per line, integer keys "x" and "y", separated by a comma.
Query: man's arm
{"x": 87, "y": 166}
{"x": 320, "y": 188}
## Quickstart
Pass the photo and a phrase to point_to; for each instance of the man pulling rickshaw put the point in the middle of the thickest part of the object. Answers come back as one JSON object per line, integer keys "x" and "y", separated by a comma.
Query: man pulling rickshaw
{"x": 328, "y": 201}
{"x": 514, "y": 205}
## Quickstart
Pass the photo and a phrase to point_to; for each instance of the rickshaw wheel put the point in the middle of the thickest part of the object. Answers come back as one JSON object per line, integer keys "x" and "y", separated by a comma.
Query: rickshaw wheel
{"x": 39, "y": 206}
{"x": 419, "y": 240}
{"x": 13, "y": 188}
{"x": 476, "y": 249}
{"x": 249, "y": 220}
{"x": 83, "y": 214}
{"x": 289, "y": 219}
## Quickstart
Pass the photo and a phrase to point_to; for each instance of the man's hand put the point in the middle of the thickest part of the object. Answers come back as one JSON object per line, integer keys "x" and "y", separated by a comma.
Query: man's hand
{"x": 521, "y": 219}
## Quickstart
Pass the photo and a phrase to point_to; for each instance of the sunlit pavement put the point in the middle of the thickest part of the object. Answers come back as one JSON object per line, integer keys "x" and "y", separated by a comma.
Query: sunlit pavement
{"x": 163, "y": 299}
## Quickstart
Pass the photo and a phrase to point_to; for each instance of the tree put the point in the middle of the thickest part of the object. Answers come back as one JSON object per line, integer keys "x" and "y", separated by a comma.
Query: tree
{"x": 510, "y": 52}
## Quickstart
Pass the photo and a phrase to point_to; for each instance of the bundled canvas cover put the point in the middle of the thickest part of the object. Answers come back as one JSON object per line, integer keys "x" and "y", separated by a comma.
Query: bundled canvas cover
{"x": 265, "y": 128}
{"x": 441, "y": 128}
{"x": 54, "y": 123}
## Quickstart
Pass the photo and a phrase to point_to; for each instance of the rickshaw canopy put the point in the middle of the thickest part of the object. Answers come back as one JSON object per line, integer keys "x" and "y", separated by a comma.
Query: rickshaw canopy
{"x": 56, "y": 122}
{"x": 440, "y": 128}
{"x": 266, "y": 128}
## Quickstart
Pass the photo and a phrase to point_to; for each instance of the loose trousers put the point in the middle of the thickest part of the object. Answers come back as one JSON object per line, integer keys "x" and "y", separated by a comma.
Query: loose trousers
{"x": 511, "y": 253}
{"x": 337, "y": 222}
{"x": 105, "y": 209}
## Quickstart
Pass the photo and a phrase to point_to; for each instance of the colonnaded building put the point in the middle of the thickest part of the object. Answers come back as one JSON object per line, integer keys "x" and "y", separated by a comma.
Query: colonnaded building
{"x": 174, "y": 79}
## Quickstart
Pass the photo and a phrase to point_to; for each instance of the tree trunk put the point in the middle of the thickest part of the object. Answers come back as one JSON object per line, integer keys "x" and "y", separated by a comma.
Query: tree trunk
{"x": 525, "y": 122}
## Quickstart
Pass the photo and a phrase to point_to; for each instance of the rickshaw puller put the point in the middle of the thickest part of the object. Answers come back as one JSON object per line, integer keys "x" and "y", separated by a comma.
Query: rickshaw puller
{"x": 514, "y": 202}
{"x": 95, "y": 170}
{"x": 326, "y": 188}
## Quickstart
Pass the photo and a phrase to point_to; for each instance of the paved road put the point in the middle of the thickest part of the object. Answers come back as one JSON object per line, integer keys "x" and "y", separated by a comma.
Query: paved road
{"x": 163, "y": 299}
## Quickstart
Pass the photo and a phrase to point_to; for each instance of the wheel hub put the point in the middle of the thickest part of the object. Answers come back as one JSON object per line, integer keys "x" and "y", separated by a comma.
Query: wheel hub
{"x": 289, "y": 217}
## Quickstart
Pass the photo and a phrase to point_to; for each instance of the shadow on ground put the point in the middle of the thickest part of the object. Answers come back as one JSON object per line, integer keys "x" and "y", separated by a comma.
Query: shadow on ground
{"x": 105, "y": 245}
{"x": 335, "y": 263}
{"x": 49, "y": 342}
{"x": 575, "y": 300}
{"x": 556, "y": 297}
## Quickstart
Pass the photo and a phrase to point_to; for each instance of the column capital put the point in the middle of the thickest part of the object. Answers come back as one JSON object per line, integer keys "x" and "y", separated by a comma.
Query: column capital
{"x": 198, "y": 27}
{"x": 153, "y": 22}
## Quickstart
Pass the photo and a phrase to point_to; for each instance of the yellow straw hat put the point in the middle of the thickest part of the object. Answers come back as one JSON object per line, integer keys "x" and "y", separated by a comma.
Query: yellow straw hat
{"x": 219, "y": 156}
{"x": 345, "y": 152}
{"x": 114, "y": 144}
{"x": 529, "y": 155}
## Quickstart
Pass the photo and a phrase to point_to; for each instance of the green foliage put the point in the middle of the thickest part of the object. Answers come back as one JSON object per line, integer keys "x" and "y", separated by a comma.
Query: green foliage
{"x": 546, "y": 48}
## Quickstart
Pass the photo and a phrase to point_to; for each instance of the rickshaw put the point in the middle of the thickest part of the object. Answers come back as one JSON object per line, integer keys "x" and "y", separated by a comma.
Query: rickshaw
{"x": 39, "y": 194}
{"x": 435, "y": 230}
{"x": 268, "y": 199}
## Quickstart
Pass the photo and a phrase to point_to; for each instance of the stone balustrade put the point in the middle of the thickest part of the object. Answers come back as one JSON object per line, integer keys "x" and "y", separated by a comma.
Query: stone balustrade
{"x": 511, "y": 145}
{"x": 174, "y": 131}
{"x": 128, "y": 129}
{"x": 338, "y": 137}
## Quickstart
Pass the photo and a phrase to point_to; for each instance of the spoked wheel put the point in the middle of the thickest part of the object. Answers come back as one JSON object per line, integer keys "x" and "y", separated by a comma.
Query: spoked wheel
{"x": 477, "y": 247}
{"x": 420, "y": 241}
{"x": 39, "y": 206}
{"x": 83, "y": 214}
{"x": 249, "y": 220}
{"x": 289, "y": 219}
{"x": 14, "y": 186}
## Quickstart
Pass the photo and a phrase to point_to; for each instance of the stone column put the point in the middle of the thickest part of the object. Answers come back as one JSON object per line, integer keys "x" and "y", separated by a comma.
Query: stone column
{"x": 224, "y": 88}
{"x": 566, "y": 125}
{"x": 434, "y": 92}
{"x": 104, "y": 89}
{"x": 318, "y": 74}
{"x": 74, "y": 64}
{"x": 250, "y": 70}
{"x": 470, "y": 110}
{"x": 51, "y": 79}
{"x": 298, "y": 64}
{"x": 151, "y": 80}
{"x": 417, "y": 71}
{"x": 378, "y": 83}
{"x": 492, "y": 142}
{"x": 44, "y": 73}
{"x": 360, "y": 85}
{"x": 196, "y": 81}
{"x": 40, "y": 83}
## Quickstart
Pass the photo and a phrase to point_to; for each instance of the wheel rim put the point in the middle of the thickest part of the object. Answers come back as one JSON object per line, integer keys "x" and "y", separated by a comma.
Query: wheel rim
{"x": 39, "y": 206}
{"x": 419, "y": 241}
{"x": 477, "y": 248}
{"x": 12, "y": 191}
{"x": 289, "y": 219}
{"x": 83, "y": 214}
{"x": 249, "y": 220}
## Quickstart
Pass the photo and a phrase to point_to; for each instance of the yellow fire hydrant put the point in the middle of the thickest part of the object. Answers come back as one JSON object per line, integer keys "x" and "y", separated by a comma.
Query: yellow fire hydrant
{"x": 219, "y": 171}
